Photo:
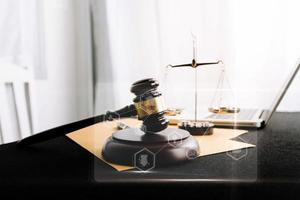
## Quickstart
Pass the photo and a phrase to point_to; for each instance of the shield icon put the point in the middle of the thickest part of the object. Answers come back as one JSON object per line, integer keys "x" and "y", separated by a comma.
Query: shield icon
{"x": 144, "y": 160}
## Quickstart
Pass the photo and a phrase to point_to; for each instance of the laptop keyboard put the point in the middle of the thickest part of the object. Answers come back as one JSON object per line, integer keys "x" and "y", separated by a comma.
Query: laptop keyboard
{"x": 246, "y": 114}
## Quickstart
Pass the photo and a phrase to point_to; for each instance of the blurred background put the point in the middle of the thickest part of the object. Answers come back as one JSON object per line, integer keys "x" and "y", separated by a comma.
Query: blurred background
{"x": 65, "y": 60}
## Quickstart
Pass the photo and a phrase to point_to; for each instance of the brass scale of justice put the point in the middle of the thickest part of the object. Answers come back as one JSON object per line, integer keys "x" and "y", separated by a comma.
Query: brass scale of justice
{"x": 195, "y": 127}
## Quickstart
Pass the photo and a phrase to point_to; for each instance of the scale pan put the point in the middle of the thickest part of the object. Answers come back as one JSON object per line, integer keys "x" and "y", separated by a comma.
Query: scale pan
{"x": 223, "y": 110}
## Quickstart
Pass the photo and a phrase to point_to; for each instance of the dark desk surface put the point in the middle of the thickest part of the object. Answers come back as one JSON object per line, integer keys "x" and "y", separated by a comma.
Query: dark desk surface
{"x": 273, "y": 167}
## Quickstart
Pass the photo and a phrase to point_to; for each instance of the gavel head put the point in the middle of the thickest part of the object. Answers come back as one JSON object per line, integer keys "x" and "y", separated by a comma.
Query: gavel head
{"x": 149, "y": 105}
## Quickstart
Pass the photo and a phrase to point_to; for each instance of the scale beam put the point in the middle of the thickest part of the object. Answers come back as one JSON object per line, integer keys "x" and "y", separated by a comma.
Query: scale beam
{"x": 194, "y": 65}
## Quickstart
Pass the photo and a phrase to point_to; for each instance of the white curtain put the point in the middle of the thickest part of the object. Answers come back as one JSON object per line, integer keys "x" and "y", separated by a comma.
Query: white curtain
{"x": 10, "y": 31}
{"x": 257, "y": 40}
{"x": 19, "y": 56}
{"x": 20, "y": 38}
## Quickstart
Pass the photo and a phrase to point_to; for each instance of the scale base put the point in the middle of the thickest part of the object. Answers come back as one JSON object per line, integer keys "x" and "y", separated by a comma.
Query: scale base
{"x": 197, "y": 128}
{"x": 133, "y": 147}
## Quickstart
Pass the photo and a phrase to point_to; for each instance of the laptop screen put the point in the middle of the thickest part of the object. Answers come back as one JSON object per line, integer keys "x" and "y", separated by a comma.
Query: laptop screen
{"x": 282, "y": 92}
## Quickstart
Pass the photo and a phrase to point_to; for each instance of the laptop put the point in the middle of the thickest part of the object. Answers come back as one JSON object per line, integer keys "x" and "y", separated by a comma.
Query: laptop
{"x": 250, "y": 118}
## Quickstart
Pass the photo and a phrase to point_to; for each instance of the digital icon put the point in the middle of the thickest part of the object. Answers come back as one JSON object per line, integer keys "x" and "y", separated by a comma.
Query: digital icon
{"x": 144, "y": 128}
{"x": 239, "y": 153}
{"x": 191, "y": 154}
{"x": 144, "y": 160}
{"x": 174, "y": 139}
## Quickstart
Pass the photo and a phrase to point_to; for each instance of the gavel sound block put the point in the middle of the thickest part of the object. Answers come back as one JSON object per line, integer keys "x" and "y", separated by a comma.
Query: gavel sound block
{"x": 153, "y": 144}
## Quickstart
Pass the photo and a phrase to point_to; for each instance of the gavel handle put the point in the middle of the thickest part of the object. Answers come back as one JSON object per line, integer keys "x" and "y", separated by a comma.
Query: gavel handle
{"x": 127, "y": 111}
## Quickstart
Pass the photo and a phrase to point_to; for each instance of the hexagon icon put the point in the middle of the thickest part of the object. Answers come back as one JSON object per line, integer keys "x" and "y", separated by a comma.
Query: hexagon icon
{"x": 191, "y": 154}
{"x": 239, "y": 153}
{"x": 139, "y": 130}
{"x": 144, "y": 160}
{"x": 174, "y": 139}
{"x": 143, "y": 128}
{"x": 207, "y": 126}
